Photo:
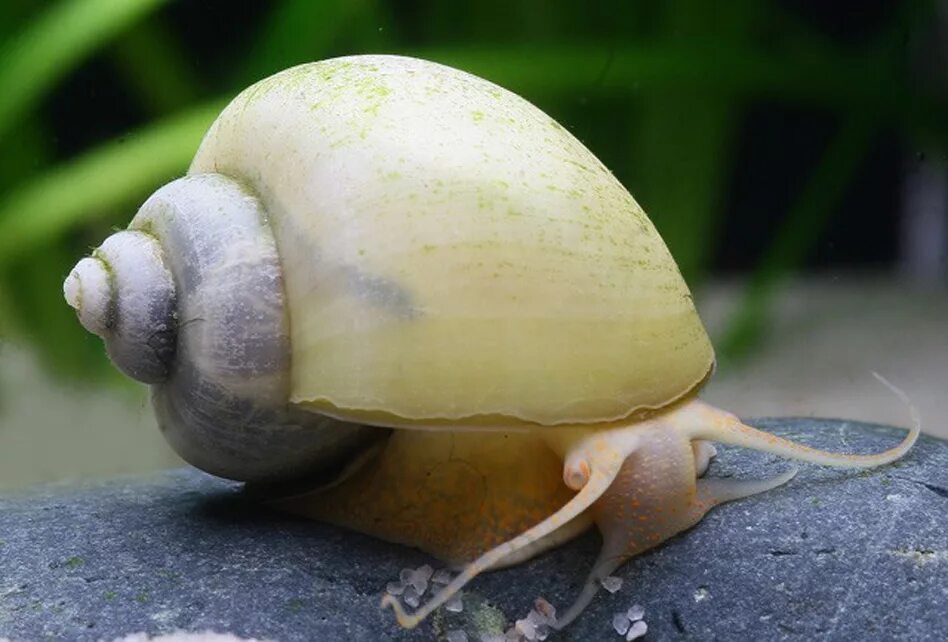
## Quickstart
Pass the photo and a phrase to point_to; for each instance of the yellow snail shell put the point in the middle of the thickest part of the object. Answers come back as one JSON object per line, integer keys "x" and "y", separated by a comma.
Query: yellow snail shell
{"x": 380, "y": 242}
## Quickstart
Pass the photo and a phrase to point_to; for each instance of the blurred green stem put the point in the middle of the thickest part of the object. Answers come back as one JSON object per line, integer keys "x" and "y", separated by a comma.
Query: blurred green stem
{"x": 827, "y": 185}
{"x": 280, "y": 44}
{"x": 39, "y": 315}
{"x": 32, "y": 142}
{"x": 705, "y": 69}
{"x": 153, "y": 65}
{"x": 681, "y": 148}
{"x": 33, "y": 60}
{"x": 109, "y": 176}
{"x": 82, "y": 189}
{"x": 819, "y": 198}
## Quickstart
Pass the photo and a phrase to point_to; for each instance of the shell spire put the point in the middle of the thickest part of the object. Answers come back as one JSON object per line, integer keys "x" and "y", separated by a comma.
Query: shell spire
{"x": 125, "y": 294}
{"x": 190, "y": 300}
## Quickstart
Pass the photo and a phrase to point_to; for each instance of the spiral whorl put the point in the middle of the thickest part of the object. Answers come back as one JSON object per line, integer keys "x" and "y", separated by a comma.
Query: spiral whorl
{"x": 190, "y": 299}
{"x": 125, "y": 294}
{"x": 88, "y": 289}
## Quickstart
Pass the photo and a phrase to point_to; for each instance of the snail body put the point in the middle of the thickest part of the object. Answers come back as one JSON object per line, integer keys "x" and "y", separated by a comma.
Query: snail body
{"x": 381, "y": 259}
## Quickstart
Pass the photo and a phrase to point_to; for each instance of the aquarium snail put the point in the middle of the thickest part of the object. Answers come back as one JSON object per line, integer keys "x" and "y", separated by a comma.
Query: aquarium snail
{"x": 419, "y": 294}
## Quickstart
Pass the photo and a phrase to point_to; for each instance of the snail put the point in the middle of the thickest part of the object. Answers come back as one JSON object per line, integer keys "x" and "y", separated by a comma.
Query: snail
{"x": 418, "y": 300}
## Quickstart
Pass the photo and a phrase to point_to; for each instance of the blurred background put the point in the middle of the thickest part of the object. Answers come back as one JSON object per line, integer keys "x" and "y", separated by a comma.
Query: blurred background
{"x": 792, "y": 154}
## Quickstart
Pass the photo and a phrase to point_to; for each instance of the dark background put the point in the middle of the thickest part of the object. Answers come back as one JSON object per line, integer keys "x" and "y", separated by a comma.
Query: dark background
{"x": 764, "y": 138}
{"x": 773, "y": 148}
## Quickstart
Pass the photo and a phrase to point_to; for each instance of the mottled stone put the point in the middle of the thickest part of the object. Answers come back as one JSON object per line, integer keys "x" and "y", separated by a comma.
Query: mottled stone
{"x": 834, "y": 555}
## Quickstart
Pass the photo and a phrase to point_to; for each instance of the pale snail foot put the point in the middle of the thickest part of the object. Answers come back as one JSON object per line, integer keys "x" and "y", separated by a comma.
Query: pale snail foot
{"x": 656, "y": 496}
{"x": 639, "y": 483}
{"x": 592, "y": 461}
{"x": 453, "y": 495}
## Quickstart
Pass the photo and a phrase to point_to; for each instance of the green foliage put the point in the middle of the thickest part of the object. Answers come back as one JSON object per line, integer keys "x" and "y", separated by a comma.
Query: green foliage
{"x": 59, "y": 37}
{"x": 656, "y": 90}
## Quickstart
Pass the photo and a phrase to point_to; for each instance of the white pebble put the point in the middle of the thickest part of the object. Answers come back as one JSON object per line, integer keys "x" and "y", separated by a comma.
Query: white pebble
{"x": 492, "y": 637}
{"x": 395, "y": 588}
{"x": 411, "y": 597}
{"x": 405, "y": 575}
{"x": 442, "y": 576}
{"x": 527, "y": 629}
{"x": 612, "y": 583}
{"x": 543, "y": 632}
{"x": 621, "y": 623}
{"x": 457, "y": 635}
{"x": 420, "y": 586}
{"x": 636, "y": 612}
{"x": 512, "y": 635}
{"x": 454, "y": 604}
{"x": 419, "y": 578}
{"x": 637, "y": 630}
{"x": 424, "y": 571}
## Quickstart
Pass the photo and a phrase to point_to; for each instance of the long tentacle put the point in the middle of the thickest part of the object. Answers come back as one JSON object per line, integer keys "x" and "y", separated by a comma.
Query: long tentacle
{"x": 563, "y": 534}
{"x": 599, "y": 480}
{"x": 714, "y": 491}
{"x": 620, "y": 545}
{"x": 607, "y": 562}
{"x": 725, "y": 427}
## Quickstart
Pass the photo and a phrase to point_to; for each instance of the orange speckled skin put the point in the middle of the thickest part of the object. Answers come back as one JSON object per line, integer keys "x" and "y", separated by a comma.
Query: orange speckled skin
{"x": 451, "y": 494}
{"x": 501, "y": 497}
{"x": 456, "y": 495}
{"x": 653, "y": 497}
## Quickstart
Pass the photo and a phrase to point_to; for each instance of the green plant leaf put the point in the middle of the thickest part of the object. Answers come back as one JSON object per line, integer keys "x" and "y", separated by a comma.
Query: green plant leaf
{"x": 299, "y": 31}
{"x": 154, "y": 67}
{"x": 32, "y": 61}
{"x": 683, "y": 137}
{"x": 820, "y": 196}
{"x": 39, "y": 314}
{"x": 703, "y": 68}
{"x": 82, "y": 190}
{"x": 826, "y": 186}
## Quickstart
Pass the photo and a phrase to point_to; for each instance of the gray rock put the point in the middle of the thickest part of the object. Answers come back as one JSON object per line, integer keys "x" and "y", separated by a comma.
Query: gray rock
{"x": 834, "y": 555}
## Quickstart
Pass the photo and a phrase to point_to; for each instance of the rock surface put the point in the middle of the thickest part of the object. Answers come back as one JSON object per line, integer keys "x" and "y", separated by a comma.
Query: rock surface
{"x": 834, "y": 555}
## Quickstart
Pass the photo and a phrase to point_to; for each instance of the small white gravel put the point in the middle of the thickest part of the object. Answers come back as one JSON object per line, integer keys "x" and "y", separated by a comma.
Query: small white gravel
{"x": 419, "y": 578}
{"x": 636, "y": 631}
{"x": 527, "y": 629}
{"x": 454, "y": 604}
{"x": 411, "y": 597}
{"x": 612, "y": 583}
{"x": 621, "y": 624}
{"x": 636, "y": 612}
{"x": 457, "y": 635}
